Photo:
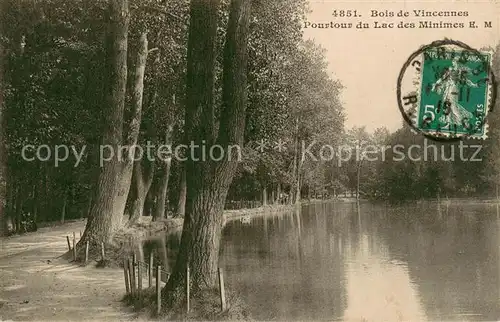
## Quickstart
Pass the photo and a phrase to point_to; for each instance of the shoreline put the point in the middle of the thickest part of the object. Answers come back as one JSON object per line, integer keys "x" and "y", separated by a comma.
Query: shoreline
{"x": 171, "y": 225}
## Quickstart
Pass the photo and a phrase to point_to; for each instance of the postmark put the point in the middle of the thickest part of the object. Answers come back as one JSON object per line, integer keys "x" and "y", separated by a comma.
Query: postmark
{"x": 446, "y": 90}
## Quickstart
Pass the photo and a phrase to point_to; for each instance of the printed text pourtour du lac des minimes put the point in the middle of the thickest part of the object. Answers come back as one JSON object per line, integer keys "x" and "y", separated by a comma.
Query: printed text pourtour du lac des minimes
{"x": 399, "y": 19}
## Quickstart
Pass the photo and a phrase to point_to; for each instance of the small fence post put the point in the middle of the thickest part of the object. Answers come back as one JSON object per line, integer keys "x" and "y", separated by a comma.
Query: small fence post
{"x": 139, "y": 278}
{"x": 158, "y": 289}
{"x": 187, "y": 289}
{"x": 133, "y": 271}
{"x": 80, "y": 234}
{"x": 222, "y": 290}
{"x": 131, "y": 276}
{"x": 69, "y": 244}
{"x": 125, "y": 273}
{"x": 150, "y": 269}
{"x": 86, "y": 252}
{"x": 102, "y": 251}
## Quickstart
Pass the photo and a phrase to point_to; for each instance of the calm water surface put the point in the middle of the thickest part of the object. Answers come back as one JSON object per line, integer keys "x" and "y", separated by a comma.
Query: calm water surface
{"x": 341, "y": 261}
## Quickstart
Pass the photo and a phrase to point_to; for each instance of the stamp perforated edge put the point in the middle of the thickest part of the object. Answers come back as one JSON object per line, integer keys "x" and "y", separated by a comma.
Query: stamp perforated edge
{"x": 417, "y": 81}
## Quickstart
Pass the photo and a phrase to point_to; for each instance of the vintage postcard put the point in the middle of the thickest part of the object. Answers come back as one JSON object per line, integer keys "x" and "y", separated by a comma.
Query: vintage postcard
{"x": 249, "y": 160}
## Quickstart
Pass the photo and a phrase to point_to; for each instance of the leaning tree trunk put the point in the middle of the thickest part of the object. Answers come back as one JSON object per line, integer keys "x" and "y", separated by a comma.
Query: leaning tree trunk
{"x": 143, "y": 180}
{"x": 143, "y": 196}
{"x": 132, "y": 134}
{"x": 110, "y": 198}
{"x": 208, "y": 181}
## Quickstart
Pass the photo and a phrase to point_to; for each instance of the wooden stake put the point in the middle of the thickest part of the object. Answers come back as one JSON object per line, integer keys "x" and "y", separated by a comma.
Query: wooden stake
{"x": 102, "y": 251}
{"x": 74, "y": 249}
{"x": 133, "y": 271}
{"x": 187, "y": 289}
{"x": 150, "y": 270}
{"x": 69, "y": 244}
{"x": 86, "y": 252}
{"x": 80, "y": 234}
{"x": 131, "y": 276}
{"x": 222, "y": 290}
{"x": 139, "y": 278}
{"x": 158, "y": 289}
{"x": 125, "y": 274}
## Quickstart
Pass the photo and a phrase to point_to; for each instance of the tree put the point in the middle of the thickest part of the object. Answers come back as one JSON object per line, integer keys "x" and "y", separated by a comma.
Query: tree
{"x": 3, "y": 179}
{"x": 112, "y": 188}
{"x": 164, "y": 87}
{"x": 141, "y": 183}
{"x": 208, "y": 181}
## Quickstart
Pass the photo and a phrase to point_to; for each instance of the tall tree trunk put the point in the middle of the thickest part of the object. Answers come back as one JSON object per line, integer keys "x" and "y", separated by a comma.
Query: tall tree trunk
{"x": 161, "y": 191}
{"x": 143, "y": 180}
{"x": 295, "y": 175}
{"x": 94, "y": 175}
{"x": 3, "y": 155}
{"x": 141, "y": 183}
{"x": 132, "y": 133}
{"x": 208, "y": 181}
{"x": 358, "y": 179}
{"x": 299, "y": 179}
{"x": 264, "y": 195}
{"x": 181, "y": 203}
{"x": 112, "y": 190}
{"x": 163, "y": 180}
{"x": 149, "y": 202}
{"x": 146, "y": 196}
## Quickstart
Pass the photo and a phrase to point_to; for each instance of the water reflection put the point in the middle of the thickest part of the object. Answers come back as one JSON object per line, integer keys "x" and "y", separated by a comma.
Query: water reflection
{"x": 349, "y": 262}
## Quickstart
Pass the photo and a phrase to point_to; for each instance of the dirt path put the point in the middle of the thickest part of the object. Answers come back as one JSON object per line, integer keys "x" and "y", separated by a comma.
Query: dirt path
{"x": 36, "y": 285}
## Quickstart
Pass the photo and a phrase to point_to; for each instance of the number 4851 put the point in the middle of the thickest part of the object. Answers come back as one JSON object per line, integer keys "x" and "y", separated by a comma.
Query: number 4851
{"x": 345, "y": 13}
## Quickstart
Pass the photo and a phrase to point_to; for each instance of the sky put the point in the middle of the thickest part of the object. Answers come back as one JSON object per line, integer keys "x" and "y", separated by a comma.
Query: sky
{"x": 368, "y": 61}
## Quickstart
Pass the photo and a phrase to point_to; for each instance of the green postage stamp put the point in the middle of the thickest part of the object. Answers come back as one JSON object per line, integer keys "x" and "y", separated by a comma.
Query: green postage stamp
{"x": 446, "y": 89}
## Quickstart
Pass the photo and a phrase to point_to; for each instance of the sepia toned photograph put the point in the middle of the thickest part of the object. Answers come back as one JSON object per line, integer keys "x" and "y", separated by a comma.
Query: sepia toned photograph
{"x": 250, "y": 160}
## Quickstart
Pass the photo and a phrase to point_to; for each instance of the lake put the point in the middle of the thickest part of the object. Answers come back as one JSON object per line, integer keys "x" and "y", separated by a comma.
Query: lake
{"x": 344, "y": 261}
